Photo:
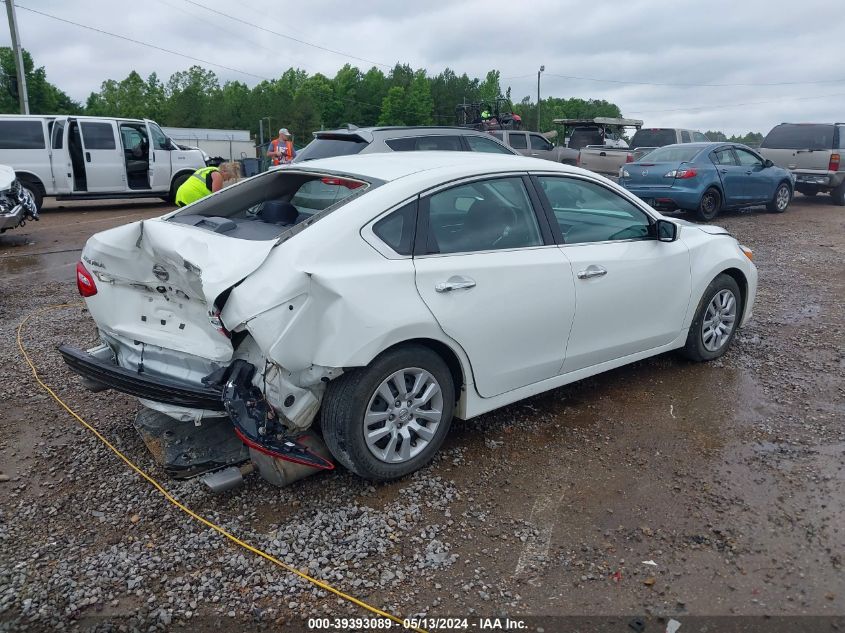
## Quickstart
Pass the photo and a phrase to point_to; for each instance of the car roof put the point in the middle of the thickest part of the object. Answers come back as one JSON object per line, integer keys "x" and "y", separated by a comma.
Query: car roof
{"x": 389, "y": 166}
{"x": 406, "y": 130}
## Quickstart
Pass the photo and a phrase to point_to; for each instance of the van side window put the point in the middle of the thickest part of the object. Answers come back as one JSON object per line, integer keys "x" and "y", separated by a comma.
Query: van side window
{"x": 21, "y": 135}
{"x": 57, "y": 131}
{"x": 98, "y": 135}
{"x": 685, "y": 137}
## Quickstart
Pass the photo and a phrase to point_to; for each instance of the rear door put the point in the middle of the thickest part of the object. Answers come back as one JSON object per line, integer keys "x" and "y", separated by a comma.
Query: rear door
{"x": 487, "y": 268}
{"x": 160, "y": 157}
{"x": 631, "y": 290}
{"x": 60, "y": 157}
{"x": 732, "y": 175}
{"x": 105, "y": 167}
{"x": 759, "y": 184}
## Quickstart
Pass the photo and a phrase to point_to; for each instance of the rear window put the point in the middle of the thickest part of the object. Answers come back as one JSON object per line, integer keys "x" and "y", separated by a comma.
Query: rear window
{"x": 328, "y": 146}
{"x": 794, "y": 136}
{"x": 264, "y": 207}
{"x": 581, "y": 137}
{"x": 672, "y": 154}
{"x": 21, "y": 135}
{"x": 655, "y": 137}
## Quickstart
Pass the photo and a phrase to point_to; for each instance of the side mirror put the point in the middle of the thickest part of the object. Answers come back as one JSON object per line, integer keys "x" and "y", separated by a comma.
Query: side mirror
{"x": 667, "y": 231}
{"x": 768, "y": 163}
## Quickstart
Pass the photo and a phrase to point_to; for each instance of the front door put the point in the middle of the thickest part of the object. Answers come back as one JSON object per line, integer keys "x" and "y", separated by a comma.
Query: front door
{"x": 759, "y": 185}
{"x": 160, "y": 154}
{"x": 540, "y": 147}
{"x": 631, "y": 290}
{"x": 105, "y": 167}
{"x": 732, "y": 175}
{"x": 495, "y": 282}
{"x": 60, "y": 162}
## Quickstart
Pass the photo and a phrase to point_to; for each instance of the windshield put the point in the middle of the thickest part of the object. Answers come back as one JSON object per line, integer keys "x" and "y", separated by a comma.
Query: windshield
{"x": 264, "y": 207}
{"x": 328, "y": 146}
{"x": 672, "y": 154}
{"x": 793, "y": 136}
{"x": 655, "y": 137}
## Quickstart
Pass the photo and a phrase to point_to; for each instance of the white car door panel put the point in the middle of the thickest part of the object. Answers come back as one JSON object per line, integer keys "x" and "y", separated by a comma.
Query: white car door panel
{"x": 638, "y": 300}
{"x": 105, "y": 166}
{"x": 492, "y": 284}
{"x": 631, "y": 290}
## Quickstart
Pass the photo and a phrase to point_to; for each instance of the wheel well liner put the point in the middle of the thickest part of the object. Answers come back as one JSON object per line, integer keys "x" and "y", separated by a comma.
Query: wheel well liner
{"x": 741, "y": 281}
{"x": 30, "y": 177}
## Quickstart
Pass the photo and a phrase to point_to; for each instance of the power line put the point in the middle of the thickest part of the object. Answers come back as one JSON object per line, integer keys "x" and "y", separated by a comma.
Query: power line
{"x": 288, "y": 37}
{"x": 736, "y": 105}
{"x": 148, "y": 45}
{"x": 695, "y": 85}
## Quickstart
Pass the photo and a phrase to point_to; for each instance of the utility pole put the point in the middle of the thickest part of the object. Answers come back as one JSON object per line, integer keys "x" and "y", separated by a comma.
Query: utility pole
{"x": 542, "y": 68}
{"x": 23, "y": 96}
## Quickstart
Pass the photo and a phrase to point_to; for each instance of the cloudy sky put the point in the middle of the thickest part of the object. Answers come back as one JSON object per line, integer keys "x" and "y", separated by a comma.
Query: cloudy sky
{"x": 648, "y": 57}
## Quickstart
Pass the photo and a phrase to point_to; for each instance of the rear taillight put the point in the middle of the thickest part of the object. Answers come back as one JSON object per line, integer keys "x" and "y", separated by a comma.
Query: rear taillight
{"x": 342, "y": 182}
{"x": 84, "y": 281}
{"x": 681, "y": 174}
{"x": 217, "y": 322}
{"x": 833, "y": 165}
{"x": 629, "y": 158}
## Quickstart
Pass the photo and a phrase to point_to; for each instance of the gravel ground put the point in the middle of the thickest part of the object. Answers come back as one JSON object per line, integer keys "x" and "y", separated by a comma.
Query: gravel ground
{"x": 728, "y": 476}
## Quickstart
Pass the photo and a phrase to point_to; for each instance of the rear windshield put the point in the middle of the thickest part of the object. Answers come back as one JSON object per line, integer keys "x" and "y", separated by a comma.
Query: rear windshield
{"x": 654, "y": 138}
{"x": 267, "y": 205}
{"x": 583, "y": 136}
{"x": 793, "y": 136}
{"x": 328, "y": 146}
{"x": 672, "y": 154}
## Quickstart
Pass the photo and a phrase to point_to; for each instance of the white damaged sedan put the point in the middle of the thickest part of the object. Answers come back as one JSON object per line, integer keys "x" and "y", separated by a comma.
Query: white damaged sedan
{"x": 348, "y": 309}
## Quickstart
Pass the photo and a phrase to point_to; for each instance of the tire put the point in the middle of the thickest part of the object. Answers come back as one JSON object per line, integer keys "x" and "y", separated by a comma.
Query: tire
{"x": 780, "y": 201}
{"x": 698, "y": 346}
{"x": 838, "y": 195}
{"x": 710, "y": 205}
{"x": 353, "y": 395}
{"x": 177, "y": 182}
{"x": 36, "y": 189}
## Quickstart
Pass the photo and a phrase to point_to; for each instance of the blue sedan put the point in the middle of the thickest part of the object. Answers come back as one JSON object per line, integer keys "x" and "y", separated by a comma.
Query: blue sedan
{"x": 707, "y": 178}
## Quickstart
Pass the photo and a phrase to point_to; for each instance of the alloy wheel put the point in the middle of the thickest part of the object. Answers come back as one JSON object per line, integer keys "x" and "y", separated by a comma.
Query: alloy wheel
{"x": 782, "y": 199}
{"x": 719, "y": 320}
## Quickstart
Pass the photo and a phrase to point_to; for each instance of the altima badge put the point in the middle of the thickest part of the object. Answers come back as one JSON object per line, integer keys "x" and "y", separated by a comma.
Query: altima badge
{"x": 160, "y": 273}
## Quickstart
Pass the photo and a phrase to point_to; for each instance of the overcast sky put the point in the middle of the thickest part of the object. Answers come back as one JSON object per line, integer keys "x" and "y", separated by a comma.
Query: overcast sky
{"x": 680, "y": 42}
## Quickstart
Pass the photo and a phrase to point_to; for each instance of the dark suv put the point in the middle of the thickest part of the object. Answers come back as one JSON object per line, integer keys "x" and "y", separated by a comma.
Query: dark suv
{"x": 364, "y": 140}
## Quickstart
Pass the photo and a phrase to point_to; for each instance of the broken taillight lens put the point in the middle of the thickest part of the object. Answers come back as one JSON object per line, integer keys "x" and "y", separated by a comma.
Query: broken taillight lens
{"x": 217, "y": 322}
{"x": 84, "y": 281}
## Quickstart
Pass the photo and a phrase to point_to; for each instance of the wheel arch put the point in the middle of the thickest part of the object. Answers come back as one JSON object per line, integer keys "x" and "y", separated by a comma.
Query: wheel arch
{"x": 181, "y": 172}
{"x": 449, "y": 356}
{"x": 741, "y": 280}
{"x": 21, "y": 174}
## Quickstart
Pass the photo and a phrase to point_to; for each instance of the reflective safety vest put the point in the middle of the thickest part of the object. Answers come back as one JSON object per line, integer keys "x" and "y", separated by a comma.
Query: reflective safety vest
{"x": 287, "y": 149}
{"x": 195, "y": 187}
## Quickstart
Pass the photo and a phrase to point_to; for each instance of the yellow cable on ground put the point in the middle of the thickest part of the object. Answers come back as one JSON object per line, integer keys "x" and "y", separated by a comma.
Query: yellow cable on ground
{"x": 175, "y": 502}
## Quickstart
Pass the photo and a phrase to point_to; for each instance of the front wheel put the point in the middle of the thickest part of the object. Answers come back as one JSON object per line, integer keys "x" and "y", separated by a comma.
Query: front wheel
{"x": 174, "y": 188}
{"x": 710, "y": 205}
{"x": 388, "y": 419}
{"x": 716, "y": 320}
{"x": 35, "y": 190}
{"x": 781, "y": 199}
{"x": 838, "y": 195}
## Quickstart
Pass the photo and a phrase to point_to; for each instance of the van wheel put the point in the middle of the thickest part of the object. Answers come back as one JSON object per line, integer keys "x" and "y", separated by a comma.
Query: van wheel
{"x": 838, "y": 195}
{"x": 710, "y": 205}
{"x": 388, "y": 419}
{"x": 781, "y": 199}
{"x": 36, "y": 191}
{"x": 177, "y": 182}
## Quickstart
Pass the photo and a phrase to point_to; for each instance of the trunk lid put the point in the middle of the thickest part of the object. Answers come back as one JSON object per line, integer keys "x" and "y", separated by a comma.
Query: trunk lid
{"x": 157, "y": 282}
{"x": 650, "y": 175}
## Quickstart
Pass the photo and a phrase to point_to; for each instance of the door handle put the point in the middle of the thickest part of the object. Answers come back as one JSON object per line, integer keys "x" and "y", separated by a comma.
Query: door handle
{"x": 602, "y": 153}
{"x": 592, "y": 271}
{"x": 724, "y": 171}
{"x": 748, "y": 173}
{"x": 88, "y": 156}
{"x": 456, "y": 282}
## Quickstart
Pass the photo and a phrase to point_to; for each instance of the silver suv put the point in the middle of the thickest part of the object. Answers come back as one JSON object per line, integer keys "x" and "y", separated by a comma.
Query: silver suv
{"x": 813, "y": 152}
{"x": 364, "y": 140}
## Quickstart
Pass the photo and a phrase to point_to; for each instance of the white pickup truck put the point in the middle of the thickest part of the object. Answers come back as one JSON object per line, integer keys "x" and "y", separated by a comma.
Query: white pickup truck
{"x": 87, "y": 158}
{"x": 609, "y": 160}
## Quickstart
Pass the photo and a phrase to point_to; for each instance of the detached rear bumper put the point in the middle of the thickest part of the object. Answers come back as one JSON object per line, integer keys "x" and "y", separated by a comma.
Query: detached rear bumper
{"x": 164, "y": 390}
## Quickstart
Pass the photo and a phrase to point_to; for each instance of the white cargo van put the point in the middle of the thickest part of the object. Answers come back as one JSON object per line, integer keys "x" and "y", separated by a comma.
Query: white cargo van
{"x": 88, "y": 158}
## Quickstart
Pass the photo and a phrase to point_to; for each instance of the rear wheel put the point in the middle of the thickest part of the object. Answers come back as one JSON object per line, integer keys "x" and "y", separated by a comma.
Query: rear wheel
{"x": 716, "y": 320}
{"x": 388, "y": 419}
{"x": 838, "y": 195}
{"x": 781, "y": 199}
{"x": 710, "y": 205}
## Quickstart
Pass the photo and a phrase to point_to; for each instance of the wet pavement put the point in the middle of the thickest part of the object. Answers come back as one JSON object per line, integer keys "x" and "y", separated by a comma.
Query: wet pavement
{"x": 663, "y": 488}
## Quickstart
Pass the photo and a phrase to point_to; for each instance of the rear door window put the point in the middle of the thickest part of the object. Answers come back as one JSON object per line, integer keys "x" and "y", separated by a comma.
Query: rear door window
{"x": 517, "y": 140}
{"x": 98, "y": 135}
{"x": 800, "y": 136}
{"x": 654, "y": 137}
{"x": 724, "y": 157}
{"x": 439, "y": 144}
{"x": 538, "y": 142}
{"x": 22, "y": 135}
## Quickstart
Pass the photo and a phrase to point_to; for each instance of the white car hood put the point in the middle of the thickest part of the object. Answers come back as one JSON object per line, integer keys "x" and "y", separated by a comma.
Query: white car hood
{"x": 7, "y": 177}
{"x": 705, "y": 228}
